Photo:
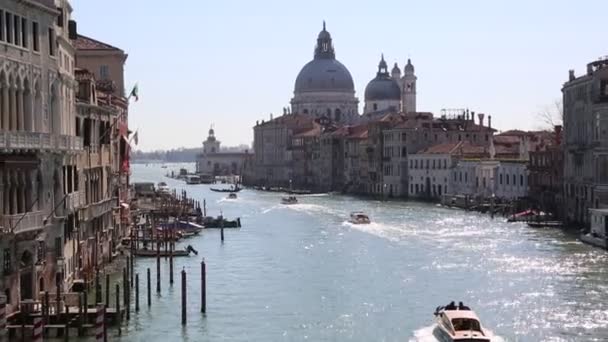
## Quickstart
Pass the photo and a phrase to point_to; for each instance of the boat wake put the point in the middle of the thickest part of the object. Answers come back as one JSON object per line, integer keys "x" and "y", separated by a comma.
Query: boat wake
{"x": 426, "y": 335}
{"x": 378, "y": 229}
{"x": 314, "y": 209}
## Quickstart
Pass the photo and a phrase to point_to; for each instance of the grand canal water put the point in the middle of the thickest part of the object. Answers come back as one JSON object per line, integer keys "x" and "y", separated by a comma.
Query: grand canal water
{"x": 301, "y": 273}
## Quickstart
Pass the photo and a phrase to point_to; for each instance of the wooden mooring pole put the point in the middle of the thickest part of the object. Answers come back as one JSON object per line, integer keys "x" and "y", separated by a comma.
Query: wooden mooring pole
{"x": 118, "y": 313}
{"x": 158, "y": 266}
{"x": 137, "y": 292}
{"x": 149, "y": 290}
{"x": 184, "y": 299}
{"x": 107, "y": 290}
{"x": 203, "y": 287}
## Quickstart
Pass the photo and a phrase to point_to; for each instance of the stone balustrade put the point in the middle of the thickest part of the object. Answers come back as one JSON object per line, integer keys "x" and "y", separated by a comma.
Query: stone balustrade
{"x": 23, "y": 140}
{"x": 30, "y": 222}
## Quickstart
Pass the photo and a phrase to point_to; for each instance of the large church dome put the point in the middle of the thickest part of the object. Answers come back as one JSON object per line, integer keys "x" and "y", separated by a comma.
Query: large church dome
{"x": 324, "y": 72}
{"x": 382, "y": 87}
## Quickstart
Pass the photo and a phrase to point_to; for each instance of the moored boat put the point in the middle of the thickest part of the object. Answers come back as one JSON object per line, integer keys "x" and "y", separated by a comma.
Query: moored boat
{"x": 358, "y": 217}
{"x": 289, "y": 200}
{"x": 459, "y": 324}
{"x": 193, "y": 179}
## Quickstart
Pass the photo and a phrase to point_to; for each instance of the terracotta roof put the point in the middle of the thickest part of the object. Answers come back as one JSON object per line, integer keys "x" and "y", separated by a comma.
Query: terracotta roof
{"x": 357, "y": 132}
{"x": 447, "y": 148}
{"x": 312, "y": 132}
{"x": 86, "y": 43}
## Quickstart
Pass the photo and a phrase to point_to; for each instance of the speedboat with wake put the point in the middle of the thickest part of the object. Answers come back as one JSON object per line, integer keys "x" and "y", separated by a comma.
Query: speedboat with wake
{"x": 358, "y": 217}
{"x": 459, "y": 324}
{"x": 289, "y": 200}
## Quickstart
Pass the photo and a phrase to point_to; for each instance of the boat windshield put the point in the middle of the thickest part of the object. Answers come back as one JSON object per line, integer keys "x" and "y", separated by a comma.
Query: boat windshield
{"x": 466, "y": 324}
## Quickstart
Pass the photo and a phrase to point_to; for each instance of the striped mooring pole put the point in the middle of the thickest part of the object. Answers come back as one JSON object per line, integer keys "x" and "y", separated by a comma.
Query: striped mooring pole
{"x": 3, "y": 332}
{"x": 38, "y": 329}
{"x": 99, "y": 322}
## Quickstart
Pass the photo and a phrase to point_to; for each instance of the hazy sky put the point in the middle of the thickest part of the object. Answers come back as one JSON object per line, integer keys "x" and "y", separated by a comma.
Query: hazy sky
{"x": 230, "y": 63}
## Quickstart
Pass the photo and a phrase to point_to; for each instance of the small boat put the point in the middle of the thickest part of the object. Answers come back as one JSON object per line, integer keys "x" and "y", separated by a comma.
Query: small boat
{"x": 221, "y": 222}
{"x": 193, "y": 179}
{"x": 358, "y": 217}
{"x": 163, "y": 188}
{"x": 289, "y": 200}
{"x": 163, "y": 253}
{"x": 232, "y": 195}
{"x": 164, "y": 166}
{"x": 459, "y": 324}
{"x": 547, "y": 224}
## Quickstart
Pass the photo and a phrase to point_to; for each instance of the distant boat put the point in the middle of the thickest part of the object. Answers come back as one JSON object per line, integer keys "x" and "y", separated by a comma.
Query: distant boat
{"x": 232, "y": 195}
{"x": 193, "y": 179}
{"x": 289, "y": 200}
{"x": 358, "y": 217}
{"x": 164, "y": 166}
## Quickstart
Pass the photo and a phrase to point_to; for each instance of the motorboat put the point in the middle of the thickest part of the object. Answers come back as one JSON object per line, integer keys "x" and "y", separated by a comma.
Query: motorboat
{"x": 459, "y": 324}
{"x": 232, "y": 195}
{"x": 163, "y": 188}
{"x": 358, "y": 217}
{"x": 289, "y": 200}
{"x": 193, "y": 179}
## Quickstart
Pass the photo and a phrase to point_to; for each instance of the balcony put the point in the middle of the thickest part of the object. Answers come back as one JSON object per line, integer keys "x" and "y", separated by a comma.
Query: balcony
{"x": 97, "y": 209}
{"x": 74, "y": 200}
{"x": 31, "y": 221}
{"x": 21, "y": 140}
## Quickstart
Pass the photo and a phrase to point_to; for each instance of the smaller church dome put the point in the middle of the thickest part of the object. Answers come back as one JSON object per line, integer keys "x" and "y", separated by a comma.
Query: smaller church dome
{"x": 409, "y": 68}
{"x": 382, "y": 87}
{"x": 396, "y": 69}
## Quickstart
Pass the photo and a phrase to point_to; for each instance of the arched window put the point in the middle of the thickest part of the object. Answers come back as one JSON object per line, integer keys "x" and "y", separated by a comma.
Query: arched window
{"x": 337, "y": 114}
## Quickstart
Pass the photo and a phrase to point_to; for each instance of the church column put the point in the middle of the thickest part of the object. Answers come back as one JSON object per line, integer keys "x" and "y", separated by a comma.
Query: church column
{"x": 2, "y": 101}
{"x": 20, "y": 111}
{"x": 13, "y": 108}
{"x": 21, "y": 193}
{"x": 5, "y": 107}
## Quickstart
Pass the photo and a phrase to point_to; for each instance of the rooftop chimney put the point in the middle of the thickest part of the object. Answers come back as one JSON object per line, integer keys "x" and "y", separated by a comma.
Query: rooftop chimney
{"x": 558, "y": 134}
{"x": 489, "y": 121}
{"x": 480, "y": 116}
{"x": 571, "y": 76}
{"x": 473, "y": 116}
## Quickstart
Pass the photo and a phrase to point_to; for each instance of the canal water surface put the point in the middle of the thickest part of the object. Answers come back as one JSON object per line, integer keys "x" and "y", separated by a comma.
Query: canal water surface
{"x": 301, "y": 273}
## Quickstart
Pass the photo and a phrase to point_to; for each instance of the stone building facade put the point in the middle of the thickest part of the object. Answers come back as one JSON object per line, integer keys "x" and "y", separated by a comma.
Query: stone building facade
{"x": 38, "y": 146}
{"x": 585, "y": 100}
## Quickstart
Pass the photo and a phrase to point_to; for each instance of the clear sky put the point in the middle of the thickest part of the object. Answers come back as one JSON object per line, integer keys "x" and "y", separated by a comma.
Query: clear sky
{"x": 230, "y": 63}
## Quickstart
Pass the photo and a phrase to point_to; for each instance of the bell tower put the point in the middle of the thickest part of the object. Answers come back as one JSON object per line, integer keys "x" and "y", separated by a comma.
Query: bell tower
{"x": 211, "y": 145}
{"x": 408, "y": 88}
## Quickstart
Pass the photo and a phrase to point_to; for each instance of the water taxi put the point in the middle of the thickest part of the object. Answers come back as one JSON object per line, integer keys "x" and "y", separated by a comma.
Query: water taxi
{"x": 232, "y": 195}
{"x": 358, "y": 217}
{"x": 163, "y": 188}
{"x": 459, "y": 324}
{"x": 289, "y": 200}
{"x": 193, "y": 179}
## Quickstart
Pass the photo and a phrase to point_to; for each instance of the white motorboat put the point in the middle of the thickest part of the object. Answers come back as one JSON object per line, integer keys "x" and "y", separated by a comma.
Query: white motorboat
{"x": 459, "y": 324}
{"x": 358, "y": 217}
{"x": 163, "y": 188}
{"x": 289, "y": 200}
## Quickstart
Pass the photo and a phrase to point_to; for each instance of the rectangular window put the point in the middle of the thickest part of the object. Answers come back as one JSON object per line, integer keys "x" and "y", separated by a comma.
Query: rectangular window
{"x": 7, "y": 26}
{"x": 16, "y": 29}
{"x": 51, "y": 42}
{"x": 6, "y": 261}
{"x": 35, "y": 38}
{"x": 2, "y": 25}
{"x": 60, "y": 17}
{"x": 58, "y": 249}
{"x": 24, "y": 40}
{"x": 104, "y": 72}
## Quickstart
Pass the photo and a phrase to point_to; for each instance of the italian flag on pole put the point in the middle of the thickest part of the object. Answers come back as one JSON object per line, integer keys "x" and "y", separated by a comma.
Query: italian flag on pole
{"x": 134, "y": 93}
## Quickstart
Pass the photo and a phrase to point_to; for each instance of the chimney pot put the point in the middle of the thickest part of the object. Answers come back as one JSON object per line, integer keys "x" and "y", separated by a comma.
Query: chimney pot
{"x": 480, "y": 116}
{"x": 489, "y": 121}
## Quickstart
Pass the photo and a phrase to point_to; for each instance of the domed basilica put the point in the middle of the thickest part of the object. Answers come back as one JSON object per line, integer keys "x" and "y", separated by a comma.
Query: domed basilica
{"x": 325, "y": 88}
